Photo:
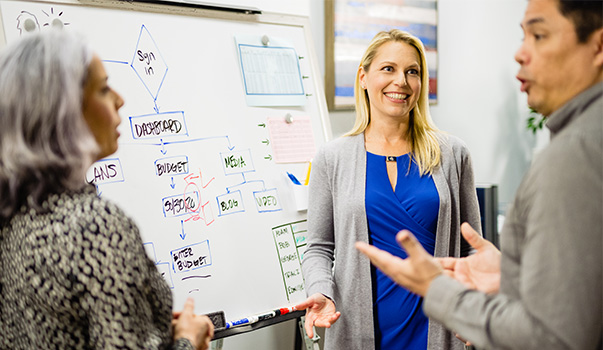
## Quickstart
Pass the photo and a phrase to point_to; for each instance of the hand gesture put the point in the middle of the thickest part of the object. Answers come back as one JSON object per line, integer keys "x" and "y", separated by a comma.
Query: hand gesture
{"x": 198, "y": 329}
{"x": 414, "y": 273}
{"x": 480, "y": 270}
{"x": 320, "y": 312}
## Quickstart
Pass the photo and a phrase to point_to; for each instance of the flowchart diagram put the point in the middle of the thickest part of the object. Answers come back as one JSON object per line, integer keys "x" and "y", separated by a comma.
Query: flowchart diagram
{"x": 170, "y": 128}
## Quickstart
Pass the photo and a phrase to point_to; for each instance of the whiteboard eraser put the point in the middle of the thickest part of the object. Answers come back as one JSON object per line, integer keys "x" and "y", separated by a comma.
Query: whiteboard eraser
{"x": 218, "y": 319}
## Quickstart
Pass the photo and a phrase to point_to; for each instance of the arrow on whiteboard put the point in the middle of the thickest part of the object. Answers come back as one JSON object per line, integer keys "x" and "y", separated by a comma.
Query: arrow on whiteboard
{"x": 266, "y": 141}
{"x": 156, "y": 108}
{"x": 182, "y": 235}
{"x": 269, "y": 157}
{"x": 163, "y": 150}
{"x": 230, "y": 148}
{"x": 262, "y": 125}
{"x": 190, "y": 176}
{"x": 172, "y": 185}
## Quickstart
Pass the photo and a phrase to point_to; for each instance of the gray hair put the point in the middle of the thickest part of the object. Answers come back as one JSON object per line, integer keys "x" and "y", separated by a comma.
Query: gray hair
{"x": 45, "y": 144}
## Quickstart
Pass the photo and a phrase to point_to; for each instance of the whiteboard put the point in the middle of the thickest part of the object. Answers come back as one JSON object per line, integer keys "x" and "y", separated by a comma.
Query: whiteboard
{"x": 195, "y": 166}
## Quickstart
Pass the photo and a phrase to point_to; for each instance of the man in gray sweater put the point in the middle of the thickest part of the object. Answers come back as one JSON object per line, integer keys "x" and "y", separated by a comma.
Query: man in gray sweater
{"x": 550, "y": 267}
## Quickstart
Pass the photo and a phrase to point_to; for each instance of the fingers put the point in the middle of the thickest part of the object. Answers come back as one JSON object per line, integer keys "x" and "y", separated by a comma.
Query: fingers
{"x": 210, "y": 331}
{"x": 198, "y": 329}
{"x": 406, "y": 241}
{"x": 319, "y": 321}
{"x": 448, "y": 273}
{"x": 414, "y": 273}
{"x": 377, "y": 256}
{"x": 467, "y": 343}
{"x": 205, "y": 331}
{"x": 447, "y": 263}
{"x": 311, "y": 314}
{"x": 205, "y": 344}
{"x": 472, "y": 237}
{"x": 410, "y": 244}
{"x": 326, "y": 321}
{"x": 189, "y": 306}
{"x": 304, "y": 304}
{"x": 309, "y": 326}
{"x": 334, "y": 318}
{"x": 210, "y": 326}
{"x": 381, "y": 259}
{"x": 320, "y": 312}
{"x": 312, "y": 301}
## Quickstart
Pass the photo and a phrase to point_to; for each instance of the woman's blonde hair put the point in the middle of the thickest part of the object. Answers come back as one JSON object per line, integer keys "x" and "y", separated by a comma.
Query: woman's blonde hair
{"x": 424, "y": 145}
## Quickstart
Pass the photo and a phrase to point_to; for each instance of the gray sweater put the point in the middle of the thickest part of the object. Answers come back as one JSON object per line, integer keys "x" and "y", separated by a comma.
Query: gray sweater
{"x": 551, "y": 268}
{"x": 337, "y": 219}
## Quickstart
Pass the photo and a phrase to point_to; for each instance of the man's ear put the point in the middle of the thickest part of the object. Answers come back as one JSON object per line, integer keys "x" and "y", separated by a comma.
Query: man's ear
{"x": 597, "y": 40}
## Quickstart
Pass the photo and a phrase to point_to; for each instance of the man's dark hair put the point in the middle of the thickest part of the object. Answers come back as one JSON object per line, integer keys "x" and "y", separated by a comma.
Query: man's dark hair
{"x": 587, "y": 16}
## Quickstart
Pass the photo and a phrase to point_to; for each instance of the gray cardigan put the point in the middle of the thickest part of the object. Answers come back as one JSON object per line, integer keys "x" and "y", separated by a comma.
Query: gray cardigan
{"x": 337, "y": 219}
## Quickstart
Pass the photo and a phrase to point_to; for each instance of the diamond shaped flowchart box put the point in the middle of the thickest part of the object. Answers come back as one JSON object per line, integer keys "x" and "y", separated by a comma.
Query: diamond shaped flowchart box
{"x": 148, "y": 63}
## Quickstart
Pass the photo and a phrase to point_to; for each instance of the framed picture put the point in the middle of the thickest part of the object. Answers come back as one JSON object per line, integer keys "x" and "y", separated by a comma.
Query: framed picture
{"x": 351, "y": 24}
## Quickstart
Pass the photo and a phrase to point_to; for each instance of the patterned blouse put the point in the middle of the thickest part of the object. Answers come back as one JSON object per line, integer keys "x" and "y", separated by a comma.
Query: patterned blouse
{"x": 77, "y": 277}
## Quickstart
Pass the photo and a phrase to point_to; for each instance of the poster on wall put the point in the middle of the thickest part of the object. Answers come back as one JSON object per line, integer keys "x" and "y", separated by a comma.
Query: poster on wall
{"x": 351, "y": 24}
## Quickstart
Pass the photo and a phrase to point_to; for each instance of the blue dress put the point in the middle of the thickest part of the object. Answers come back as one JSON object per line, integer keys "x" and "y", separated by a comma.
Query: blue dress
{"x": 399, "y": 319}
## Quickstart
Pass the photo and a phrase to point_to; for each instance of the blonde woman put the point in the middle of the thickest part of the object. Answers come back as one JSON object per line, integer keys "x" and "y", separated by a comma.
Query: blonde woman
{"x": 394, "y": 170}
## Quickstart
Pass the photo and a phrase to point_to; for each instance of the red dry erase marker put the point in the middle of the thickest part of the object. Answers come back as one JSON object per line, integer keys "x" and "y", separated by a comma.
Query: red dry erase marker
{"x": 286, "y": 310}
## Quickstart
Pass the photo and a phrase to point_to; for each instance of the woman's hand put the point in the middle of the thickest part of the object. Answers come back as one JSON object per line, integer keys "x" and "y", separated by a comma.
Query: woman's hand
{"x": 320, "y": 312}
{"x": 198, "y": 329}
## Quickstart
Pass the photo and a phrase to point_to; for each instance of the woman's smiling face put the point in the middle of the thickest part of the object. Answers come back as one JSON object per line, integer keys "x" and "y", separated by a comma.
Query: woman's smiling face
{"x": 393, "y": 80}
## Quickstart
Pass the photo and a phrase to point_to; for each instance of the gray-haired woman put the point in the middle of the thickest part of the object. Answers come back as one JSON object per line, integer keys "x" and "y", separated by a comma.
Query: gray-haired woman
{"x": 74, "y": 273}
